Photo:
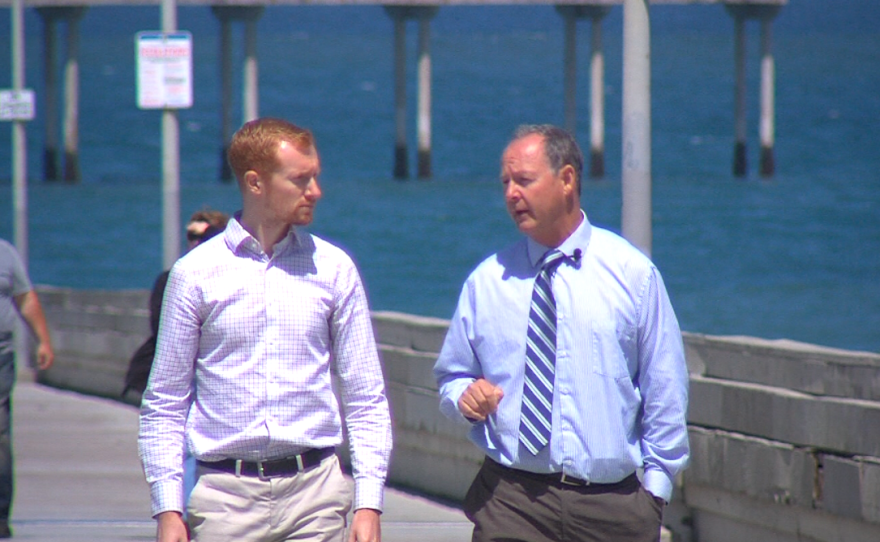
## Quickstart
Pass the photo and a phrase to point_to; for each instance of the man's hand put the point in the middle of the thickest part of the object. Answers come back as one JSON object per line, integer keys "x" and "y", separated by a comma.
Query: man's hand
{"x": 479, "y": 400}
{"x": 365, "y": 527}
{"x": 45, "y": 356}
{"x": 171, "y": 528}
{"x": 31, "y": 310}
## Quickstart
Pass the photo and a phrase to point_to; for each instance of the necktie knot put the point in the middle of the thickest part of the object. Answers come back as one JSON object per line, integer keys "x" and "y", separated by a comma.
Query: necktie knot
{"x": 551, "y": 259}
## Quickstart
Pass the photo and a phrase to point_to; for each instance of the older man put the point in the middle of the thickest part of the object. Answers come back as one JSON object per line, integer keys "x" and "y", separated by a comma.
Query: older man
{"x": 253, "y": 324}
{"x": 565, "y": 357}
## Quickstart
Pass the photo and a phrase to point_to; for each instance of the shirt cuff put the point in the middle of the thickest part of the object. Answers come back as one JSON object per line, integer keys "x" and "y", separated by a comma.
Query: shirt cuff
{"x": 369, "y": 494}
{"x": 658, "y": 484}
{"x": 166, "y": 497}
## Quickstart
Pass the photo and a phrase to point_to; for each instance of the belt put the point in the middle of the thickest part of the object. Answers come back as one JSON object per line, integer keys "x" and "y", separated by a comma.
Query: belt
{"x": 272, "y": 468}
{"x": 562, "y": 479}
{"x": 566, "y": 480}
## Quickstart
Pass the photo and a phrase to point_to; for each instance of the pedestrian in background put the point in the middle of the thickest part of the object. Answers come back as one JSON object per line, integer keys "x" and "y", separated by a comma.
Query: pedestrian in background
{"x": 203, "y": 225}
{"x": 17, "y": 299}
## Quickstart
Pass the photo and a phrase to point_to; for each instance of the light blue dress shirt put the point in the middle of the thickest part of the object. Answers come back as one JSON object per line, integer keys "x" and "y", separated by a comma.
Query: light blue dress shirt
{"x": 620, "y": 395}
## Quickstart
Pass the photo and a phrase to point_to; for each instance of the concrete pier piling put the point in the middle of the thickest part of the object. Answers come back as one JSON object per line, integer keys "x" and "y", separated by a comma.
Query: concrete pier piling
{"x": 50, "y": 17}
{"x": 765, "y": 13}
{"x": 740, "y": 163}
{"x": 400, "y": 15}
{"x": 71, "y": 173}
{"x": 768, "y": 92}
{"x": 401, "y": 168}
{"x": 227, "y": 15}
{"x": 56, "y": 11}
{"x": 570, "y": 15}
{"x": 423, "y": 117}
{"x": 597, "y": 99}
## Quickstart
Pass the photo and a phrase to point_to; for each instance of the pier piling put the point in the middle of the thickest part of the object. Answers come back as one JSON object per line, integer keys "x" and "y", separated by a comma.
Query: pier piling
{"x": 768, "y": 91}
{"x": 227, "y": 15}
{"x": 570, "y": 14}
{"x": 71, "y": 96}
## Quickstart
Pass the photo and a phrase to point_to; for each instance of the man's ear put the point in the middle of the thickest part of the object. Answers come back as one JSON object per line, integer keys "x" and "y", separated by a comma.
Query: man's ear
{"x": 568, "y": 178}
{"x": 252, "y": 182}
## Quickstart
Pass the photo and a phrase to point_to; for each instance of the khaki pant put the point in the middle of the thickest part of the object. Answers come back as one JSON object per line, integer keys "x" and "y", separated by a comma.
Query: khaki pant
{"x": 310, "y": 506}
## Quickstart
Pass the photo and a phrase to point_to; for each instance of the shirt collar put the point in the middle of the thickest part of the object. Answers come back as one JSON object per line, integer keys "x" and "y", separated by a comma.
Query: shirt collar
{"x": 577, "y": 241}
{"x": 238, "y": 238}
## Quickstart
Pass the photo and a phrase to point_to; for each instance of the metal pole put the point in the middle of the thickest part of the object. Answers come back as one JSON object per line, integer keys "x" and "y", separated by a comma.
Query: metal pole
{"x": 170, "y": 162}
{"x": 768, "y": 88}
{"x": 19, "y": 138}
{"x": 19, "y": 182}
{"x": 636, "y": 175}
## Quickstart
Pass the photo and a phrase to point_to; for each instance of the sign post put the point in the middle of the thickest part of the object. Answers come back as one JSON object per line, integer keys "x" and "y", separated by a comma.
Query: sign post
{"x": 164, "y": 81}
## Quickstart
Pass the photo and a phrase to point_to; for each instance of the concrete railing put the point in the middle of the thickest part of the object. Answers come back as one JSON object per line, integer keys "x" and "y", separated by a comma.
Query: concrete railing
{"x": 785, "y": 436}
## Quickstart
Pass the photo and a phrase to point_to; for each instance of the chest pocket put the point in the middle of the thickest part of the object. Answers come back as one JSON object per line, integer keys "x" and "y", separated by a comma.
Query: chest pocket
{"x": 613, "y": 346}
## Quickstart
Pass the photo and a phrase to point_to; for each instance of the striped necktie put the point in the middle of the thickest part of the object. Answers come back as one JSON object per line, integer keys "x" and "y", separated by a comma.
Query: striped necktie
{"x": 537, "y": 405}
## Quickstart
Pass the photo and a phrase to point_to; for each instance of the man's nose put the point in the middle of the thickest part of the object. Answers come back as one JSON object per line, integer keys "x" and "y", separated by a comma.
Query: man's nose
{"x": 314, "y": 190}
{"x": 511, "y": 193}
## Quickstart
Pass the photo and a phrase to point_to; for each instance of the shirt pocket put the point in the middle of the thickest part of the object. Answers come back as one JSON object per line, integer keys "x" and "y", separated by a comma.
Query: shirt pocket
{"x": 609, "y": 345}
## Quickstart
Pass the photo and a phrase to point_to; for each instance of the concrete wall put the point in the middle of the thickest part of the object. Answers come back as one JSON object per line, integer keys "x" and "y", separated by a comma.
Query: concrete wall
{"x": 785, "y": 436}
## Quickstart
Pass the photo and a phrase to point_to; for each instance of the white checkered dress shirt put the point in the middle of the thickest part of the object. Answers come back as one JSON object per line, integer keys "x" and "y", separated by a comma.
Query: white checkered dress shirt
{"x": 244, "y": 357}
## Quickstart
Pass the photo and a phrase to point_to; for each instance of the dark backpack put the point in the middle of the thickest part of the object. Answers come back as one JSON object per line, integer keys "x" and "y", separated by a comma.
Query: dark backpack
{"x": 141, "y": 361}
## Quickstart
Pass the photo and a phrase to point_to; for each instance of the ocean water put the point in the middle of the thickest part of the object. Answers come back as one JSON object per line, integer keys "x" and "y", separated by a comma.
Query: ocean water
{"x": 796, "y": 256}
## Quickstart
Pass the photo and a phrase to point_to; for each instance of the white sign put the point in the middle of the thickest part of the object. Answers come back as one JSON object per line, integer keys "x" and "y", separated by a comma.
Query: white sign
{"x": 17, "y": 105}
{"x": 164, "y": 70}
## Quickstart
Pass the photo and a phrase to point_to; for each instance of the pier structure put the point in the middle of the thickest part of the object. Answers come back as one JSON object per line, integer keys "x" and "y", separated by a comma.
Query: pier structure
{"x": 570, "y": 15}
{"x": 248, "y": 17}
{"x": 248, "y": 12}
{"x": 399, "y": 15}
{"x": 764, "y": 13}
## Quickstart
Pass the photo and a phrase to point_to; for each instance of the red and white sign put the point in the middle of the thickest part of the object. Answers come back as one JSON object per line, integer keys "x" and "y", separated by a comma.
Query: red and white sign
{"x": 164, "y": 70}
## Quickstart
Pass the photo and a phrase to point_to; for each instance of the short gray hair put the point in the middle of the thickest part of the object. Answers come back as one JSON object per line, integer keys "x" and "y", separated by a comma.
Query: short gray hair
{"x": 559, "y": 146}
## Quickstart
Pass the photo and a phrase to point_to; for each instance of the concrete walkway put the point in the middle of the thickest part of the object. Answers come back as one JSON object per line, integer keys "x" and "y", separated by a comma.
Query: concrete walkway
{"x": 78, "y": 477}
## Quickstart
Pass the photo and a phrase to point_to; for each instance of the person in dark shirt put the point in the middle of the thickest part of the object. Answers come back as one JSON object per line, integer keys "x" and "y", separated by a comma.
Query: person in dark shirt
{"x": 202, "y": 226}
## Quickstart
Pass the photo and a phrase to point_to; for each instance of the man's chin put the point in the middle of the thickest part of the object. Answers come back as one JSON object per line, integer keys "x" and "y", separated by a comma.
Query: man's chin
{"x": 303, "y": 219}
{"x": 523, "y": 224}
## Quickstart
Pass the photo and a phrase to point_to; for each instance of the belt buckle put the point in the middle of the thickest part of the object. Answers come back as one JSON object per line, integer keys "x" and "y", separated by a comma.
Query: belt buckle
{"x": 572, "y": 481}
{"x": 261, "y": 474}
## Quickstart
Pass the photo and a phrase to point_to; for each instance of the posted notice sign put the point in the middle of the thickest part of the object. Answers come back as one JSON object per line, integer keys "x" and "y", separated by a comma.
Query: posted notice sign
{"x": 164, "y": 70}
{"x": 17, "y": 104}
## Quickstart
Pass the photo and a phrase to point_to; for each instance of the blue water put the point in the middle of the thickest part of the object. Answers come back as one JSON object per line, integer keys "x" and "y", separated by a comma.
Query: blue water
{"x": 796, "y": 256}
